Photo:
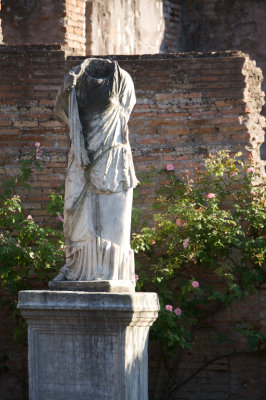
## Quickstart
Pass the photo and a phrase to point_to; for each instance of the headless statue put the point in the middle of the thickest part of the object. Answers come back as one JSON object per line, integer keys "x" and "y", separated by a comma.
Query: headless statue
{"x": 95, "y": 101}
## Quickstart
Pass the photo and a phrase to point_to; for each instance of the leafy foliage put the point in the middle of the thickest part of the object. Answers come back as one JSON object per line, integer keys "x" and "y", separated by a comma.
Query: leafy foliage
{"x": 29, "y": 252}
{"x": 205, "y": 249}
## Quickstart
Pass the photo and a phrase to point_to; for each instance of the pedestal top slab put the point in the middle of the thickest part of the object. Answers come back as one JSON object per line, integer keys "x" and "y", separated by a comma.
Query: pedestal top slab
{"x": 78, "y": 300}
{"x": 111, "y": 286}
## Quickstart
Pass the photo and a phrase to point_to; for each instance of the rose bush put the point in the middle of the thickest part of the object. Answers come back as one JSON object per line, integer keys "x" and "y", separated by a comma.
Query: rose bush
{"x": 204, "y": 250}
{"x": 29, "y": 252}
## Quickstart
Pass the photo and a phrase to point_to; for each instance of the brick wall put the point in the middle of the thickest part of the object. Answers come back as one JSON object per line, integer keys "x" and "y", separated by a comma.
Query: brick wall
{"x": 211, "y": 25}
{"x": 181, "y": 115}
{"x": 32, "y": 21}
{"x": 44, "y": 21}
{"x": 172, "y": 33}
{"x": 187, "y": 105}
{"x": 30, "y": 77}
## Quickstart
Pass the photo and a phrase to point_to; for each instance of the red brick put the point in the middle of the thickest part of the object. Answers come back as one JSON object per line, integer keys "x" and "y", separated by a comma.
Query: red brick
{"x": 204, "y": 130}
{"x": 227, "y": 120}
{"x": 5, "y": 122}
{"x": 26, "y": 124}
{"x": 172, "y": 115}
{"x": 178, "y": 131}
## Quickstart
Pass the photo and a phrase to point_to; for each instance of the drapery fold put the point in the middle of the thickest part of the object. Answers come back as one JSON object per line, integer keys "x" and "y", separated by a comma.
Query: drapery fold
{"x": 98, "y": 259}
{"x": 76, "y": 135}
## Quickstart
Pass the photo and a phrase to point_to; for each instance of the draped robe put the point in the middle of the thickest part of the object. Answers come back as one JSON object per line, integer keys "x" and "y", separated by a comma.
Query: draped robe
{"x": 95, "y": 100}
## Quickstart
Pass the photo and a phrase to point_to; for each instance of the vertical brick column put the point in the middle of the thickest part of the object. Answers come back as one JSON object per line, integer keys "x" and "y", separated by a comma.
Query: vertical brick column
{"x": 75, "y": 27}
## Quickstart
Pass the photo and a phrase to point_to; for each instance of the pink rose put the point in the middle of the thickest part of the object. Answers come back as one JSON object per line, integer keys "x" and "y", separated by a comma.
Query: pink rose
{"x": 195, "y": 284}
{"x": 177, "y": 311}
{"x": 60, "y": 218}
{"x": 136, "y": 277}
{"x": 211, "y": 196}
{"x": 185, "y": 243}
{"x": 179, "y": 223}
{"x": 234, "y": 173}
{"x": 38, "y": 150}
{"x": 249, "y": 170}
{"x": 168, "y": 307}
{"x": 170, "y": 167}
{"x": 29, "y": 218}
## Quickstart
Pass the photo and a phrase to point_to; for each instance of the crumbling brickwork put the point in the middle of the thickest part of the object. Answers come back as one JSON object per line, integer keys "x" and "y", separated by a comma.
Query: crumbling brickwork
{"x": 211, "y": 25}
{"x": 220, "y": 25}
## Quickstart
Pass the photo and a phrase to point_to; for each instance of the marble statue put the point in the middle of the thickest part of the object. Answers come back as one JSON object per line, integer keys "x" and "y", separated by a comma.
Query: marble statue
{"x": 95, "y": 101}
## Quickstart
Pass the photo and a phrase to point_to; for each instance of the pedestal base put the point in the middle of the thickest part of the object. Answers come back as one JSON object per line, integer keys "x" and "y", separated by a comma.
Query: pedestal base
{"x": 88, "y": 346}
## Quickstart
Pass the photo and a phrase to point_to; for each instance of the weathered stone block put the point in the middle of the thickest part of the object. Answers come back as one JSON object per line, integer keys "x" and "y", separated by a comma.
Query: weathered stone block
{"x": 88, "y": 346}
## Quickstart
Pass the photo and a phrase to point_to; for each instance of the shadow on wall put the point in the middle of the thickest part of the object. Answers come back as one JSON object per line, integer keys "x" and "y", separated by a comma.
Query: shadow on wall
{"x": 32, "y": 22}
{"x": 213, "y": 25}
{"x": 15, "y": 18}
{"x": 172, "y": 17}
{"x": 263, "y": 149}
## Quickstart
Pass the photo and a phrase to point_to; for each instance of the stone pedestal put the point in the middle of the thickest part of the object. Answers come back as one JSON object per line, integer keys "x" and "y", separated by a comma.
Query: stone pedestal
{"x": 88, "y": 346}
